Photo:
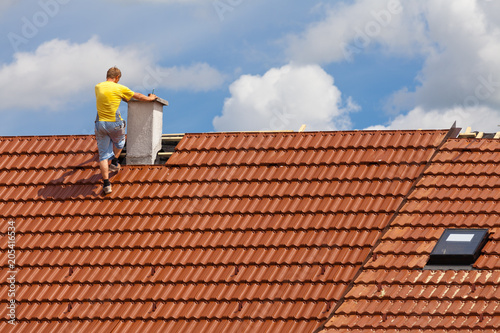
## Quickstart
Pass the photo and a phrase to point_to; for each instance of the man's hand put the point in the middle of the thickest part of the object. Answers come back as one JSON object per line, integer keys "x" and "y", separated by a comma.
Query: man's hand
{"x": 141, "y": 97}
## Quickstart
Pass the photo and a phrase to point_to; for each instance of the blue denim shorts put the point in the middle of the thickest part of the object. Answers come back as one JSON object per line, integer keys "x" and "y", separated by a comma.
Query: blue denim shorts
{"x": 109, "y": 134}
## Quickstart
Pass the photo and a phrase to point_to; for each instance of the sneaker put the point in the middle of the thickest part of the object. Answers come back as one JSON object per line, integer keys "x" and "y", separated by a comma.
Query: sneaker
{"x": 106, "y": 189}
{"x": 113, "y": 167}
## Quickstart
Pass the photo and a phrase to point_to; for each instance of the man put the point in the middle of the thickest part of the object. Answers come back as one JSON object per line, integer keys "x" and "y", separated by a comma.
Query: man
{"x": 109, "y": 125}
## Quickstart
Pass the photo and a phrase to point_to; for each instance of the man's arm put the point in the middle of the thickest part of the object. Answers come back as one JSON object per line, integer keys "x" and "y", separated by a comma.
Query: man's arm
{"x": 144, "y": 98}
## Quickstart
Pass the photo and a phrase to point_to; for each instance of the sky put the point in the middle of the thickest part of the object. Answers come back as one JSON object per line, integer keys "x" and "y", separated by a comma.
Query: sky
{"x": 254, "y": 65}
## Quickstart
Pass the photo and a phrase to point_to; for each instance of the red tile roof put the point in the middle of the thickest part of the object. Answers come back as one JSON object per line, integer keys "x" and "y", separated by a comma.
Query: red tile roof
{"x": 248, "y": 231}
{"x": 459, "y": 189}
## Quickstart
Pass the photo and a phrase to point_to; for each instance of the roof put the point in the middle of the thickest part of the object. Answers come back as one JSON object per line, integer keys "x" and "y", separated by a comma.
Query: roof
{"x": 245, "y": 232}
{"x": 394, "y": 291}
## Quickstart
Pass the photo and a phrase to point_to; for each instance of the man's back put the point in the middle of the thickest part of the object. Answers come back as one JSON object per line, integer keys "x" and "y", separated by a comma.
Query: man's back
{"x": 108, "y": 97}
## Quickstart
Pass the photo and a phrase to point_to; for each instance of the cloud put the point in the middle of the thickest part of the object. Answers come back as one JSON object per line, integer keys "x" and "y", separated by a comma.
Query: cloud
{"x": 463, "y": 68}
{"x": 284, "y": 99}
{"x": 479, "y": 118}
{"x": 350, "y": 29}
{"x": 460, "y": 78}
{"x": 457, "y": 41}
{"x": 197, "y": 77}
{"x": 59, "y": 72}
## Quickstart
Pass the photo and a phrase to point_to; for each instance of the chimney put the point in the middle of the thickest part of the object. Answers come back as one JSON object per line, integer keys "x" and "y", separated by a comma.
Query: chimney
{"x": 145, "y": 125}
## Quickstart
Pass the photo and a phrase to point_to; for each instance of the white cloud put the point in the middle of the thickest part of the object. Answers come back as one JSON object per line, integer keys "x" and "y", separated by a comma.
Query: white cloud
{"x": 197, "y": 77}
{"x": 458, "y": 41}
{"x": 463, "y": 68}
{"x": 460, "y": 79}
{"x": 284, "y": 99}
{"x": 60, "y": 72}
{"x": 348, "y": 30}
{"x": 482, "y": 119}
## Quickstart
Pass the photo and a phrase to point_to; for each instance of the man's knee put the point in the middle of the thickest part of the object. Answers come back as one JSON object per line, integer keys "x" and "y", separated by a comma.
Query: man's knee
{"x": 120, "y": 144}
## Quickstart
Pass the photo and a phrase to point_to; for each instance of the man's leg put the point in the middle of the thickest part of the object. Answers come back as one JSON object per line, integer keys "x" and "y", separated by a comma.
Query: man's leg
{"x": 115, "y": 166}
{"x": 106, "y": 184}
{"x": 103, "y": 165}
{"x": 104, "y": 146}
{"x": 118, "y": 139}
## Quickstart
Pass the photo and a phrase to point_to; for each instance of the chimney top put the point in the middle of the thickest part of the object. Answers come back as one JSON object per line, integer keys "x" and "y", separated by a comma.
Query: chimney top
{"x": 158, "y": 99}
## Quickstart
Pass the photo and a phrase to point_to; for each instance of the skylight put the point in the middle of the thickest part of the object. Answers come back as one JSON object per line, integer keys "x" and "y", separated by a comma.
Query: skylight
{"x": 458, "y": 247}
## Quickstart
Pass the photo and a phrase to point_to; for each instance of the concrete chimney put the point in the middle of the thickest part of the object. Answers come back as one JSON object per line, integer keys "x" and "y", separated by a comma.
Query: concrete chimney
{"x": 145, "y": 125}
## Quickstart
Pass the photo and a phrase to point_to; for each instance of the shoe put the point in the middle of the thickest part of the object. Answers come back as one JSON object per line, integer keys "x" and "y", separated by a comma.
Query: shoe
{"x": 113, "y": 167}
{"x": 106, "y": 189}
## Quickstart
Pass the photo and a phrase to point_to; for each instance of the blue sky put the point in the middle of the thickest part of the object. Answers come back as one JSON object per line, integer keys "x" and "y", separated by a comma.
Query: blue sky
{"x": 229, "y": 65}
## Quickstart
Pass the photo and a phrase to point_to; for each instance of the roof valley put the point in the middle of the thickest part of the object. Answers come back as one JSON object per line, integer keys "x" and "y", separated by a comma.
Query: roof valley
{"x": 451, "y": 133}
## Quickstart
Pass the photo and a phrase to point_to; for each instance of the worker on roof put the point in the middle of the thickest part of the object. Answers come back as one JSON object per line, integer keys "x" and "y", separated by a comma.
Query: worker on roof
{"x": 109, "y": 125}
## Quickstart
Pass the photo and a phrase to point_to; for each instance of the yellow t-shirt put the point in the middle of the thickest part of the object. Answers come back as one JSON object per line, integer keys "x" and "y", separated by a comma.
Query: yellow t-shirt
{"x": 108, "y": 97}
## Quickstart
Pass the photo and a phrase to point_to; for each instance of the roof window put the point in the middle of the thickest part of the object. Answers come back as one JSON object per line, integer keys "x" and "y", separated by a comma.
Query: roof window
{"x": 459, "y": 247}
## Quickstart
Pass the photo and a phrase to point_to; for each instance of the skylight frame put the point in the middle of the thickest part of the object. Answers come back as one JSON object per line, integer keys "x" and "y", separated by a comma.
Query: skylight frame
{"x": 458, "y": 247}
